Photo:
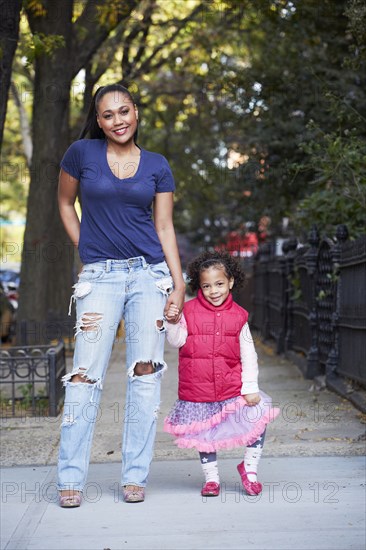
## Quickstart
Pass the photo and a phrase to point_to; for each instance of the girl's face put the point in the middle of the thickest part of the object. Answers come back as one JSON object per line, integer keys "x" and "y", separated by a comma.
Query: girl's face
{"x": 117, "y": 117}
{"x": 215, "y": 285}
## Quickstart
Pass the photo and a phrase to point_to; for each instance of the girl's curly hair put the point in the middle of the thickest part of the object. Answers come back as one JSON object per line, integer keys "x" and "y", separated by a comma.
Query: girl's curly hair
{"x": 208, "y": 259}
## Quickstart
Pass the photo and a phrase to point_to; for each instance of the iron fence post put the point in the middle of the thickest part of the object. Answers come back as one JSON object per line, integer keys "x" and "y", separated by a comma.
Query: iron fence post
{"x": 265, "y": 257}
{"x": 333, "y": 357}
{"x": 289, "y": 248}
{"x": 283, "y": 307}
{"x": 311, "y": 263}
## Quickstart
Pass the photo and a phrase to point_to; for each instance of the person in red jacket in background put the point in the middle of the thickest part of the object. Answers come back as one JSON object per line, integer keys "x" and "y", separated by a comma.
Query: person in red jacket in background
{"x": 220, "y": 405}
{"x": 242, "y": 243}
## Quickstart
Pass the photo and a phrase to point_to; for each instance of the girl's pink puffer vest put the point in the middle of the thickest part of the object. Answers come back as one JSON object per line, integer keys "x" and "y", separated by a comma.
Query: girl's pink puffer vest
{"x": 209, "y": 362}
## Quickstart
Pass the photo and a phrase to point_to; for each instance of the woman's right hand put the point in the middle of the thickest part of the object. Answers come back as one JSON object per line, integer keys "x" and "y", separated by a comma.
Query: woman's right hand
{"x": 176, "y": 299}
{"x": 172, "y": 313}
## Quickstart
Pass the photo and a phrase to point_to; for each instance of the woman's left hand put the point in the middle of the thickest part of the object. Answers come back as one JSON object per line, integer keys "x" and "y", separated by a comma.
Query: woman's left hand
{"x": 176, "y": 298}
{"x": 252, "y": 399}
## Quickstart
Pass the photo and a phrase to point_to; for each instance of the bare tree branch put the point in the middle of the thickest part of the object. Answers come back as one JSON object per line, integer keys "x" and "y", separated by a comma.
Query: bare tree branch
{"x": 104, "y": 61}
{"x": 141, "y": 26}
{"x": 89, "y": 33}
{"x": 146, "y": 66}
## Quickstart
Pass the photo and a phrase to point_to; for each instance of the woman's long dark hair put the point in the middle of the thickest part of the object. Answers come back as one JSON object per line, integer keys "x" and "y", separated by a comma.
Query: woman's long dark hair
{"x": 91, "y": 127}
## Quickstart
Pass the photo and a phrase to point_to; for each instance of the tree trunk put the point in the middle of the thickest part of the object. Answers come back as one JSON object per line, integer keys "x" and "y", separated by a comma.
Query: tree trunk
{"x": 48, "y": 255}
{"x": 9, "y": 31}
{"x": 47, "y": 258}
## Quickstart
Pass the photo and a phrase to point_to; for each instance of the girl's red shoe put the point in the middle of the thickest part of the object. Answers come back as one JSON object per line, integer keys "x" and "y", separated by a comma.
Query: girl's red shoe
{"x": 211, "y": 489}
{"x": 252, "y": 488}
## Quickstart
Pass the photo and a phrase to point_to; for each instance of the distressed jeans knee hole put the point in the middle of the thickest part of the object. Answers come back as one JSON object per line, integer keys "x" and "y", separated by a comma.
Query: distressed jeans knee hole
{"x": 143, "y": 368}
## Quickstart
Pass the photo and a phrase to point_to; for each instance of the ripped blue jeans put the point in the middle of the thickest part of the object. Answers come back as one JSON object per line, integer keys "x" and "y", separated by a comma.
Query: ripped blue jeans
{"x": 107, "y": 292}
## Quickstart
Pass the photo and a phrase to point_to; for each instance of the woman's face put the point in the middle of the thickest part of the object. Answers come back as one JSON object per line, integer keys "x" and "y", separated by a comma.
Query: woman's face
{"x": 117, "y": 116}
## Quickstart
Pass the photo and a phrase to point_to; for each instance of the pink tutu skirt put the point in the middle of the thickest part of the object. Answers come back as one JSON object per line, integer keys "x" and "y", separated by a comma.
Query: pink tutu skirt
{"x": 209, "y": 427}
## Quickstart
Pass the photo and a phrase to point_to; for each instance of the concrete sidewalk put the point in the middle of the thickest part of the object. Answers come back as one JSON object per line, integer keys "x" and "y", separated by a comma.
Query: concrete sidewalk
{"x": 316, "y": 503}
{"x": 313, "y": 471}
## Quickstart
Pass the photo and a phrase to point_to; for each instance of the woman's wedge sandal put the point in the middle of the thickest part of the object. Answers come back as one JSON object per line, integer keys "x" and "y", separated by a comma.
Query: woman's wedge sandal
{"x": 70, "y": 501}
{"x": 133, "y": 493}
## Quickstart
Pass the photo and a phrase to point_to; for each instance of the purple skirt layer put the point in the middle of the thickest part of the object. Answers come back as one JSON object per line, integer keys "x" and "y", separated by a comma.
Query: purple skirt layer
{"x": 209, "y": 427}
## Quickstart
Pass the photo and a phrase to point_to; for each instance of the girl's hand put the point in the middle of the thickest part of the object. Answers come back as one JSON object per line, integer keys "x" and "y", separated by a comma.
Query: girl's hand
{"x": 172, "y": 313}
{"x": 252, "y": 399}
{"x": 176, "y": 299}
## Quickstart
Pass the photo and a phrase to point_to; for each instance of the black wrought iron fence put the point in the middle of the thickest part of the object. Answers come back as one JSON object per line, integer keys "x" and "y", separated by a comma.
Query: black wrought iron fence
{"x": 350, "y": 313}
{"x": 312, "y": 302}
{"x": 325, "y": 291}
{"x": 244, "y": 294}
{"x": 30, "y": 380}
{"x": 259, "y": 318}
{"x": 276, "y": 326}
{"x": 301, "y": 303}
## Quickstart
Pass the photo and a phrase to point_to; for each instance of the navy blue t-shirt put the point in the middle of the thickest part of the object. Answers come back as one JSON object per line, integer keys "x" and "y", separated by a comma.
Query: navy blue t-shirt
{"x": 116, "y": 221}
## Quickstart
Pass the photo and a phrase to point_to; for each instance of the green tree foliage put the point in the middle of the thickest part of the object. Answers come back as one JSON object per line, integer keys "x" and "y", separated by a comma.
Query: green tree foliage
{"x": 193, "y": 115}
{"x": 337, "y": 161}
{"x": 337, "y": 157}
{"x": 299, "y": 63}
{"x": 259, "y": 106}
{"x": 246, "y": 109}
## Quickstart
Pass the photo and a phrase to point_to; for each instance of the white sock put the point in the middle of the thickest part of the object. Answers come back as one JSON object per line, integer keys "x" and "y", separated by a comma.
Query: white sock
{"x": 211, "y": 471}
{"x": 251, "y": 461}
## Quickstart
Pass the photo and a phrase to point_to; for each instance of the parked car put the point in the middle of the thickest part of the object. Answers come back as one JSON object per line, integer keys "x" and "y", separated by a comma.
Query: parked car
{"x": 7, "y": 316}
{"x": 9, "y": 288}
{"x": 9, "y": 276}
{"x": 10, "y": 281}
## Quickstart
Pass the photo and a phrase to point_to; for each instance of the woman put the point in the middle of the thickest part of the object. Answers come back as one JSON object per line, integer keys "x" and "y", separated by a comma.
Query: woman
{"x": 131, "y": 270}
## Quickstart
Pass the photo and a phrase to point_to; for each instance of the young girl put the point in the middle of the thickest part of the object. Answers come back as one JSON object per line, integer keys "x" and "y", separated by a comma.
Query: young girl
{"x": 220, "y": 405}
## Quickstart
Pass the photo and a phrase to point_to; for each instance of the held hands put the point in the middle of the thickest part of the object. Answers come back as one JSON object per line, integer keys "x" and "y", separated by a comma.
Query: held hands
{"x": 252, "y": 399}
{"x": 172, "y": 313}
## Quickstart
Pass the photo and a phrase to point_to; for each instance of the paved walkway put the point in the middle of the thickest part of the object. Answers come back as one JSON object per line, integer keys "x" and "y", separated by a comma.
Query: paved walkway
{"x": 313, "y": 471}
